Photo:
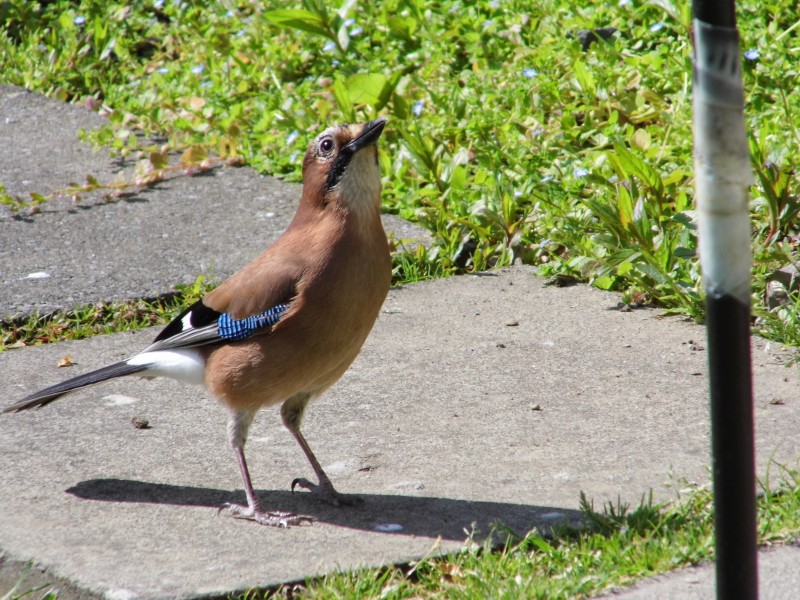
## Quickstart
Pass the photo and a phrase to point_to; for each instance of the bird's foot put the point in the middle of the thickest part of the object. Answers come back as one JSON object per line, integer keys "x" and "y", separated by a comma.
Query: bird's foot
{"x": 263, "y": 517}
{"x": 326, "y": 493}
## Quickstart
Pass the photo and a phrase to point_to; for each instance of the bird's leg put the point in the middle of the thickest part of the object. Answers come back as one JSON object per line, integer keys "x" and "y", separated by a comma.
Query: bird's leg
{"x": 237, "y": 430}
{"x": 292, "y": 414}
{"x": 324, "y": 489}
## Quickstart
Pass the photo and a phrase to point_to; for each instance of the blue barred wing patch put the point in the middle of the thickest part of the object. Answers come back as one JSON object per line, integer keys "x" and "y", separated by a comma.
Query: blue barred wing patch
{"x": 239, "y": 329}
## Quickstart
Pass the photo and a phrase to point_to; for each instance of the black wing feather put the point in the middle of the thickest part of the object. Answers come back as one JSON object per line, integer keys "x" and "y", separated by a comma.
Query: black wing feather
{"x": 201, "y": 315}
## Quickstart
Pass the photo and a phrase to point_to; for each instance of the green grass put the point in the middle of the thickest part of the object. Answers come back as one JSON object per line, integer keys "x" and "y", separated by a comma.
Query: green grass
{"x": 103, "y": 317}
{"x": 20, "y": 591}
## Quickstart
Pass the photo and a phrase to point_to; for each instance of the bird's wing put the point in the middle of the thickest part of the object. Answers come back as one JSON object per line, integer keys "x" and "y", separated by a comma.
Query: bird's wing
{"x": 251, "y": 302}
{"x": 199, "y": 325}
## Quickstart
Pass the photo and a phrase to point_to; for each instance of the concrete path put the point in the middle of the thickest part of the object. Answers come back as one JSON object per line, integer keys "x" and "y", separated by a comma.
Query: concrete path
{"x": 436, "y": 426}
{"x": 476, "y": 399}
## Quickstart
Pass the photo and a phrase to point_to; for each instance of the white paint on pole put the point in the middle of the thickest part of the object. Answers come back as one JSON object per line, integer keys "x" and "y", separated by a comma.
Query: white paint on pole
{"x": 722, "y": 163}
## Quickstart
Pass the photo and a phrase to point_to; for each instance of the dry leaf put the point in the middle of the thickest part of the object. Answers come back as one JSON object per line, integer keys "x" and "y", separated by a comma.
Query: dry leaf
{"x": 66, "y": 361}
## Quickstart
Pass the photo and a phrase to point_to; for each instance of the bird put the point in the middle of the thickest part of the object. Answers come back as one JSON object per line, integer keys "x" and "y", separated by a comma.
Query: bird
{"x": 286, "y": 326}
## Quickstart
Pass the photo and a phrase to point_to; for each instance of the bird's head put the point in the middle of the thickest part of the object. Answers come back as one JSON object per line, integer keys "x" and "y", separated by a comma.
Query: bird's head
{"x": 341, "y": 166}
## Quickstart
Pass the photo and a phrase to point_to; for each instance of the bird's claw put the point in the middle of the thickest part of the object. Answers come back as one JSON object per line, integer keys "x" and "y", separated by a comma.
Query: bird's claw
{"x": 326, "y": 493}
{"x": 270, "y": 518}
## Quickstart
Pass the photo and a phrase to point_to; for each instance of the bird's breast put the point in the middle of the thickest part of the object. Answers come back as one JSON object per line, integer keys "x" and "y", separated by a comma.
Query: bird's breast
{"x": 337, "y": 303}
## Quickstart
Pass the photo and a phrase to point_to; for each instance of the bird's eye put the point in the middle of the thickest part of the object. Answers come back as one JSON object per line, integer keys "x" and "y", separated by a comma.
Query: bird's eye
{"x": 326, "y": 145}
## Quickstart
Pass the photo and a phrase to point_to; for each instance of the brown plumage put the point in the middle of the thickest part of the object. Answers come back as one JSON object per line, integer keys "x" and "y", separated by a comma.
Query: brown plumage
{"x": 333, "y": 261}
{"x": 327, "y": 275}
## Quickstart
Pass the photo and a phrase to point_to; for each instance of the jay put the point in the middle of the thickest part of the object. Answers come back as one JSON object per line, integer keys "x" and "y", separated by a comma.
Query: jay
{"x": 286, "y": 327}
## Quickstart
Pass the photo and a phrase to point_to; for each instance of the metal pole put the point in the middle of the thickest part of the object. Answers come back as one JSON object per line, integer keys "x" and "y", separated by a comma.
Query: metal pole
{"x": 722, "y": 176}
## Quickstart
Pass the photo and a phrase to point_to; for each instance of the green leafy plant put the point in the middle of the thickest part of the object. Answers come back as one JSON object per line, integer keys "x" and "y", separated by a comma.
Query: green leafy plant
{"x": 509, "y": 138}
{"x": 777, "y": 185}
{"x": 315, "y": 18}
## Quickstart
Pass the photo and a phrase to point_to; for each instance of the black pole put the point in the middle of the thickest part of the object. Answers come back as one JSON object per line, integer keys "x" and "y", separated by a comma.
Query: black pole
{"x": 732, "y": 448}
{"x": 720, "y": 149}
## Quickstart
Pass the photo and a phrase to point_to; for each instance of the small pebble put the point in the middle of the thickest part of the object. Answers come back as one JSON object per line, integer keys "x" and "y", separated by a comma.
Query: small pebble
{"x": 140, "y": 423}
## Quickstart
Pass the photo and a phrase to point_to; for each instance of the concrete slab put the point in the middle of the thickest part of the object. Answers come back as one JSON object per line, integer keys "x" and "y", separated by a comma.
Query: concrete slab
{"x": 778, "y": 570}
{"x": 140, "y": 246}
{"x": 476, "y": 399}
{"x": 39, "y": 146}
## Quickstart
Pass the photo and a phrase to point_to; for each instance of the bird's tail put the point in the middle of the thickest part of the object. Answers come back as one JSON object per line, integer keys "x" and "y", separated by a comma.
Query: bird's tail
{"x": 48, "y": 395}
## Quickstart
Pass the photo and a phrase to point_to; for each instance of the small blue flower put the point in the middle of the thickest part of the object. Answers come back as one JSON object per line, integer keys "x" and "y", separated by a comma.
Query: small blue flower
{"x": 329, "y": 46}
{"x": 292, "y": 137}
{"x": 294, "y": 156}
{"x": 580, "y": 172}
{"x": 546, "y": 179}
{"x": 356, "y": 31}
{"x": 230, "y": 14}
{"x": 79, "y": 20}
{"x": 349, "y": 22}
{"x": 335, "y": 63}
{"x": 488, "y": 23}
{"x": 241, "y": 32}
{"x": 198, "y": 69}
{"x": 624, "y": 3}
{"x": 657, "y": 26}
{"x": 529, "y": 73}
{"x": 752, "y": 54}
{"x": 417, "y": 108}
{"x": 158, "y": 4}
{"x": 163, "y": 70}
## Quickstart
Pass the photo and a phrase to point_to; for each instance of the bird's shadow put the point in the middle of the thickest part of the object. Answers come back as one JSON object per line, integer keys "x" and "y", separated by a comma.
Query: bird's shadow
{"x": 446, "y": 518}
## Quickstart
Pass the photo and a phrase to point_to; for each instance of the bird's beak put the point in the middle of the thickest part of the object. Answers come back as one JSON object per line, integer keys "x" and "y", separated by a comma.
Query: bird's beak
{"x": 369, "y": 135}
